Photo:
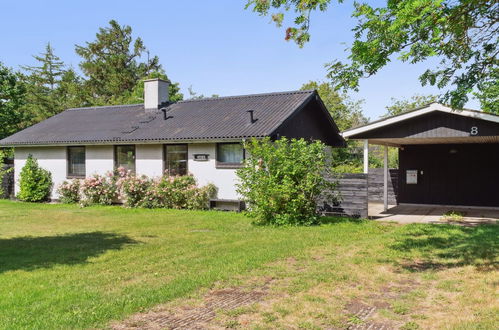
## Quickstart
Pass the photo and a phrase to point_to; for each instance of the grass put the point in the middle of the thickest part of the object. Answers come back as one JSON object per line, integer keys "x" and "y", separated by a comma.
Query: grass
{"x": 66, "y": 267}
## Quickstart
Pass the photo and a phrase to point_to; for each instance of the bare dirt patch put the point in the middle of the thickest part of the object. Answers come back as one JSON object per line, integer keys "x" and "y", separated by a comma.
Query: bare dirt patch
{"x": 364, "y": 313}
{"x": 188, "y": 317}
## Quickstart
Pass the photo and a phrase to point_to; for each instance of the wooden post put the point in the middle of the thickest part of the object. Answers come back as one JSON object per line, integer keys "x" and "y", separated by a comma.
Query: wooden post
{"x": 385, "y": 179}
{"x": 366, "y": 156}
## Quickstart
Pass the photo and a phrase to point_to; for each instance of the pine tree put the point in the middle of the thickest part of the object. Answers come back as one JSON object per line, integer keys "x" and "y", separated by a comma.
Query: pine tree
{"x": 48, "y": 74}
{"x": 42, "y": 81}
{"x": 112, "y": 63}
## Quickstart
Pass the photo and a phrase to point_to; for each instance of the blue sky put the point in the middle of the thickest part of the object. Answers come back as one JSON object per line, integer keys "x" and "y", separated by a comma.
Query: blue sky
{"x": 215, "y": 46}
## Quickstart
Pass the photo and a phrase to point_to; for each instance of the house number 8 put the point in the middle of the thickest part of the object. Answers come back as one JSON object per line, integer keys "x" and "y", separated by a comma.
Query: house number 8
{"x": 474, "y": 130}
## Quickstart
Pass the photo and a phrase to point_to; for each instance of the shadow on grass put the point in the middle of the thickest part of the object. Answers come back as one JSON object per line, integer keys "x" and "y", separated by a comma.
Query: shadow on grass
{"x": 448, "y": 246}
{"x": 334, "y": 220}
{"x": 30, "y": 253}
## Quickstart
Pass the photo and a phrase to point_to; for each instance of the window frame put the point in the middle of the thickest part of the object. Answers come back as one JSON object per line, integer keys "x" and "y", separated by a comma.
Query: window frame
{"x": 223, "y": 165}
{"x": 68, "y": 153}
{"x": 134, "y": 156}
{"x": 165, "y": 154}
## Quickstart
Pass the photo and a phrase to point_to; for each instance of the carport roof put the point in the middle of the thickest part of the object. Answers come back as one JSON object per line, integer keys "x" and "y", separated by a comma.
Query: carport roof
{"x": 431, "y": 124}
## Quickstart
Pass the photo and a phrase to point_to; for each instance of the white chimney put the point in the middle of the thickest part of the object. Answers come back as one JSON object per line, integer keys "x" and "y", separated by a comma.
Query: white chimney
{"x": 155, "y": 93}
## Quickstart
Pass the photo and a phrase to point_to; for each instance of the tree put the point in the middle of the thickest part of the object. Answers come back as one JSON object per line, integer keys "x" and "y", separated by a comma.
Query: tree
{"x": 112, "y": 63}
{"x": 462, "y": 34}
{"x": 42, "y": 82}
{"x": 399, "y": 106}
{"x": 70, "y": 92}
{"x": 346, "y": 113}
{"x": 50, "y": 71}
{"x": 193, "y": 95}
{"x": 489, "y": 97}
{"x": 12, "y": 98}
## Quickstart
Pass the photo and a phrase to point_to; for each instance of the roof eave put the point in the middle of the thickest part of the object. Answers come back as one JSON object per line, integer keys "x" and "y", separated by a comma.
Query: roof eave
{"x": 350, "y": 134}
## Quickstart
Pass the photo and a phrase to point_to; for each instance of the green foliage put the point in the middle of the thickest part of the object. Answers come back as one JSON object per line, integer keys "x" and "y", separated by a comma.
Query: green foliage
{"x": 12, "y": 98}
{"x": 35, "y": 183}
{"x": 69, "y": 191}
{"x": 462, "y": 35}
{"x": 51, "y": 88}
{"x": 348, "y": 168}
{"x": 112, "y": 63}
{"x": 346, "y": 113}
{"x": 282, "y": 180}
{"x": 399, "y": 106}
{"x": 489, "y": 92}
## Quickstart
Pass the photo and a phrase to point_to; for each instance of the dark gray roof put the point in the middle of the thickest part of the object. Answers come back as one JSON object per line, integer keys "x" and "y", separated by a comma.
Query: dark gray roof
{"x": 211, "y": 118}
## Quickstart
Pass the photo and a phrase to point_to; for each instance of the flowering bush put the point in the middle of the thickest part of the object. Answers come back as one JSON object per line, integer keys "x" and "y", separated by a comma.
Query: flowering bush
{"x": 133, "y": 190}
{"x": 153, "y": 197}
{"x": 175, "y": 189}
{"x": 99, "y": 189}
{"x": 69, "y": 191}
{"x": 179, "y": 192}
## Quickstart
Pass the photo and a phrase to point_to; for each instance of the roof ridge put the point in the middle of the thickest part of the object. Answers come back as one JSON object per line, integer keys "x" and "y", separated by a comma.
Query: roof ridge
{"x": 106, "y": 106}
{"x": 246, "y": 96}
{"x": 198, "y": 100}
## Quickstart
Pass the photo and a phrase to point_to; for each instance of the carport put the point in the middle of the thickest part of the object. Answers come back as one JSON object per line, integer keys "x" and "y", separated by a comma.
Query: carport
{"x": 446, "y": 157}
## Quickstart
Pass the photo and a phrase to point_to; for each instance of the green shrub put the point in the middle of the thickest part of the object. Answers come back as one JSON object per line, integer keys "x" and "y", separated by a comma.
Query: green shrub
{"x": 35, "y": 182}
{"x": 348, "y": 168}
{"x": 199, "y": 198}
{"x": 69, "y": 191}
{"x": 282, "y": 180}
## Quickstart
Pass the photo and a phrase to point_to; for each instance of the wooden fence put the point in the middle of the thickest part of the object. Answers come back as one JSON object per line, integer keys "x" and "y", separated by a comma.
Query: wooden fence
{"x": 352, "y": 197}
{"x": 8, "y": 183}
{"x": 375, "y": 182}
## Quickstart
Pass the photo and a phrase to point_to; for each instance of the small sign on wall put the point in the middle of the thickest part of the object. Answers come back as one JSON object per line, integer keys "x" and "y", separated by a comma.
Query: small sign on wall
{"x": 201, "y": 157}
{"x": 411, "y": 176}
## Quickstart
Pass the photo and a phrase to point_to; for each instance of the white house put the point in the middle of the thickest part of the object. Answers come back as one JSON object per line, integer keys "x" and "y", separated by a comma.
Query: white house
{"x": 202, "y": 137}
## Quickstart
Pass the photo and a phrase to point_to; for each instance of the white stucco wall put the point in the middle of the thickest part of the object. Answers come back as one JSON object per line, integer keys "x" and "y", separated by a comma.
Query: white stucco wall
{"x": 149, "y": 160}
{"x": 52, "y": 159}
{"x": 206, "y": 171}
{"x": 99, "y": 160}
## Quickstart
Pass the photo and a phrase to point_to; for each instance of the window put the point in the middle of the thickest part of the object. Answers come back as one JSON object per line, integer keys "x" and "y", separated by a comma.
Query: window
{"x": 76, "y": 162}
{"x": 124, "y": 156}
{"x": 230, "y": 155}
{"x": 176, "y": 159}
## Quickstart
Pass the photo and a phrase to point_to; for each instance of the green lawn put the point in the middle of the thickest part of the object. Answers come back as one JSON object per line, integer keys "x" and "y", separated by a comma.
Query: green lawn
{"x": 68, "y": 267}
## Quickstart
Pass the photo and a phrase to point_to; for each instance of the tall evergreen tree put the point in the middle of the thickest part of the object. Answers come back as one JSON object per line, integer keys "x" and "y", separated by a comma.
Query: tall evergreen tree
{"x": 48, "y": 74}
{"x": 42, "y": 82}
{"x": 113, "y": 63}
